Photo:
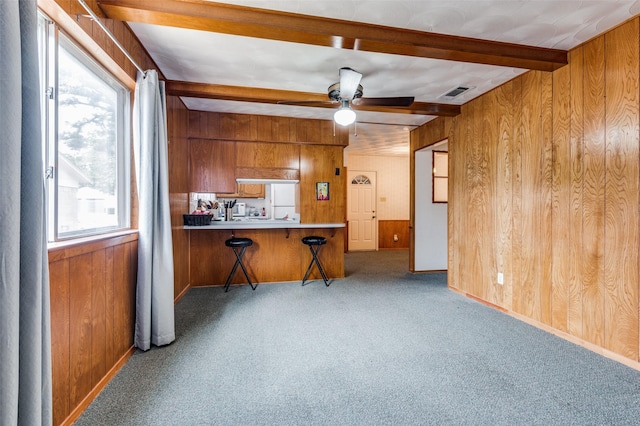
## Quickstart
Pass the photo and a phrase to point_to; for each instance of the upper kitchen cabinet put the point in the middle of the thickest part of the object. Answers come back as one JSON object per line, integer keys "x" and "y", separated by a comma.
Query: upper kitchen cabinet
{"x": 212, "y": 166}
{"x": 251, "y": 190}
{"x": 247, "y": 190}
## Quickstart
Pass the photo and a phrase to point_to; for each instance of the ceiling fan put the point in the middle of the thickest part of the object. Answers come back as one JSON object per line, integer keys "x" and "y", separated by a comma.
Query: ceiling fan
{"x": 347, "y": 92}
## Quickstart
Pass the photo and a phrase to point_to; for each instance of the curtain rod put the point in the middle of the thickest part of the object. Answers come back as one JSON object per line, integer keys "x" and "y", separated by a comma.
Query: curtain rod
{"x": 111, "y": 36}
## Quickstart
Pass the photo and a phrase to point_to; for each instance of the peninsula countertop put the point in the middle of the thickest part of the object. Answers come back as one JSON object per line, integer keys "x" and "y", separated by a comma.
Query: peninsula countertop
{"x": 264, "y": 224}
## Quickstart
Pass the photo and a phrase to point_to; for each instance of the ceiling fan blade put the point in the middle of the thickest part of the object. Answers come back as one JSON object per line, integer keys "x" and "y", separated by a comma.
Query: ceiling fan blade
{"x": 349, "y": 82}
{"x": 309, "y": 103}
{"x": 400, "y": 101}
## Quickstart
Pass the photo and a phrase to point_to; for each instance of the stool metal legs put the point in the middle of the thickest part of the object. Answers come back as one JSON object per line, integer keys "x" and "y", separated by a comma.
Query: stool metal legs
{"x": 235, "y": 266}
{"x": 314, "y": 259}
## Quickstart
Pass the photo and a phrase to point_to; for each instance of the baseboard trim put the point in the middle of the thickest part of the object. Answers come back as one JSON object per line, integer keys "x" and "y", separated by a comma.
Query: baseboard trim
{"x": 559, "y": 333}
{"x": 75, "y": 414}
{"x": 181, "y": 295}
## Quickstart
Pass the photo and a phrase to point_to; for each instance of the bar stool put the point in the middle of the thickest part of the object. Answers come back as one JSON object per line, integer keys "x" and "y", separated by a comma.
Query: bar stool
{"x": 239, "y": 246}
{"x": 314, "y": 244}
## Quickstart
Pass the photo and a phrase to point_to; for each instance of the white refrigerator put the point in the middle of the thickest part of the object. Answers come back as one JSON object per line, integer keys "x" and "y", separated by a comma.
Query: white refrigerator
{"x": 283, "y": 199}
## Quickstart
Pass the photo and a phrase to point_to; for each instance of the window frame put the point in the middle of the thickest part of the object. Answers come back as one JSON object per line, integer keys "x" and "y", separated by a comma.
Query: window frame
{"x": 53, "y": 39}
{"x": 437, "y": 176}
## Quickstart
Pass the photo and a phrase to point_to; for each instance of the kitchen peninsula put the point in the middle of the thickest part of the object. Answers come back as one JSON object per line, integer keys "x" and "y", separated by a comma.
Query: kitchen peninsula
{"x": 225, "y": 150}
{"x": 277, "y": 253}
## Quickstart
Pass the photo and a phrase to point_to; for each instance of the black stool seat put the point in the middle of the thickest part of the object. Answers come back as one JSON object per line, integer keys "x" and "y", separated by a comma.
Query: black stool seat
{"x": 239, "y": 246}
{"x": 238, "y": 242}
{"x": 314, "y": 243}
{"x": 313, "y": 240}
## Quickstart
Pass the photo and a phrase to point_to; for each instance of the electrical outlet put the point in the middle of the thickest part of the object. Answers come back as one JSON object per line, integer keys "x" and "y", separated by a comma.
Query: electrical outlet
{"x": 395, "y": 237}
{"x": 500, "y": 278}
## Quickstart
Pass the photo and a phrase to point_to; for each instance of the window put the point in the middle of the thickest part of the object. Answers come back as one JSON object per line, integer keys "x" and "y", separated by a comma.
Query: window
{"x": 360, "y": 180}
{"x": 86, "y": 139}
{"x": 440, "y": 176}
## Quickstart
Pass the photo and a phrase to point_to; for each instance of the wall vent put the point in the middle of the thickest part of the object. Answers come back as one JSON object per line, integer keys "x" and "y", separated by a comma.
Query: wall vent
{"x": 453, "y": 93}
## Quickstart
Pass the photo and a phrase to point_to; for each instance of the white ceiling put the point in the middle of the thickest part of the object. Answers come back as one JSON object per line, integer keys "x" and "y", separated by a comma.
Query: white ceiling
{"x": 215, "y": 58}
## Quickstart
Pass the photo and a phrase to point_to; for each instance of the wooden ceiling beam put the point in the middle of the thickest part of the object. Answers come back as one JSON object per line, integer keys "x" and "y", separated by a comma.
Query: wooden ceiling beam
{"x": 273, "y": 96}
{"x": 341, "y": 34}
{"x": 239, "y": 93}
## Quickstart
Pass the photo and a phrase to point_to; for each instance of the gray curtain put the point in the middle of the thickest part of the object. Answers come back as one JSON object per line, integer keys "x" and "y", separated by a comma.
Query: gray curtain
{"x": 25, "y": 339}
{"x": 154, "y": 299}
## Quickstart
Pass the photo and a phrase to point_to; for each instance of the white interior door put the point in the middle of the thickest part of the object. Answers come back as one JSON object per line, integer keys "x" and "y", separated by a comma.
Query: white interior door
{"x": 361, "y": 211}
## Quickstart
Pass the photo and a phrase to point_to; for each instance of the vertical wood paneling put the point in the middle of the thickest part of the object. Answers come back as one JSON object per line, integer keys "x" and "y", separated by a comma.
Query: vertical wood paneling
{"x": 516, "y": 220}
{"x": 227, "y": 126}
{"x": 593, "y": 195}
{"x": 119, "y": 311}
{"x": 466, "y": 256}
{"x": 561, "y": 198}
{"x": 109, "y": 312}
{"x": 546, "y": 243}
{"x": 621, "y": 189}
{"x": 576, "y": 275}
{"x": 98, "y": 317}
{"x": 573, "y": 193}
{"x": 131, "y": 283}
{"x": 474, "y": 241}
{"x": 453, "y": 246}
{"x": 243, "y": 127}
{"x": 318, "y": 164}
{"x": 83, "y": 305}
{"x": 247, "y": 128}
{"x": 490, "y": 134}
{"x": 177, "y": 122}
{"x": 273, "y": 155}
{"x": 476, "y": 198}
{"x": 80, "y": 327}
{"x": 59, "y": 290}
{"x": 212, "y": 166}
{"x": 84, "y": 345}
{"x": 528, "y": 293}
{"x": 503, "y": 195}
{"x": 387, "y": 229}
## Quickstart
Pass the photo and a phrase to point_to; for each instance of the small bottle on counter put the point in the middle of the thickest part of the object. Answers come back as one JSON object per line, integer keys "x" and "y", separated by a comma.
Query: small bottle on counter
{"x": 263, "y": 212}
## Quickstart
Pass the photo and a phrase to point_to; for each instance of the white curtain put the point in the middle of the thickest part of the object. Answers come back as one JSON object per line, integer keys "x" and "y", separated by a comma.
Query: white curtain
{"x": 25, "y": 338}
{"x": 154, "y": 299}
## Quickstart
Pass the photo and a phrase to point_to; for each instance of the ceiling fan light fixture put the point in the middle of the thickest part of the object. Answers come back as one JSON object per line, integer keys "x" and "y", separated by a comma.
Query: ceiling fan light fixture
{"x": 345, "y": 115}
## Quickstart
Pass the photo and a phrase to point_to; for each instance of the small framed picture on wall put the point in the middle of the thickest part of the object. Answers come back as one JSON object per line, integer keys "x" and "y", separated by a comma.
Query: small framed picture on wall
{"x": 322, "y": 191}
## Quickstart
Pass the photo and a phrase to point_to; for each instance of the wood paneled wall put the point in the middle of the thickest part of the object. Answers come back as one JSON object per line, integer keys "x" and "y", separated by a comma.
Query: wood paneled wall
{"x": 93, "y": 289}
{"x": 74, "y": 20}
{"x": 263, "y": 128}
{"x": 177, "y": 125}
{"x": 312, "y": 149}
{"x": 93, "y": 283}
{"x": 319, "y": 163}
{"x": 544, "y": 187}
{"x": 263, "y": 144}
{"x": 387, "y": 229}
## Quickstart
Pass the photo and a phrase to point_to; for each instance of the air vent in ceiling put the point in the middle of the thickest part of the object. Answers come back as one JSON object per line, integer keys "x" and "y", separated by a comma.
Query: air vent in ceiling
{"x": 453, "y": 93}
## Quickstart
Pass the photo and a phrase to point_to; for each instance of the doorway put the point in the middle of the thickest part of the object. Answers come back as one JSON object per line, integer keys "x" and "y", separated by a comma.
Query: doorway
{"x": 361, "y": 210}
{"x": 430, "y": 218}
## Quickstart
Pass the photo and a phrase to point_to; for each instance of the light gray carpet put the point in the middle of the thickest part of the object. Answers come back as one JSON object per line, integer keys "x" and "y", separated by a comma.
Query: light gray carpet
{"x": 379, "y": 347}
